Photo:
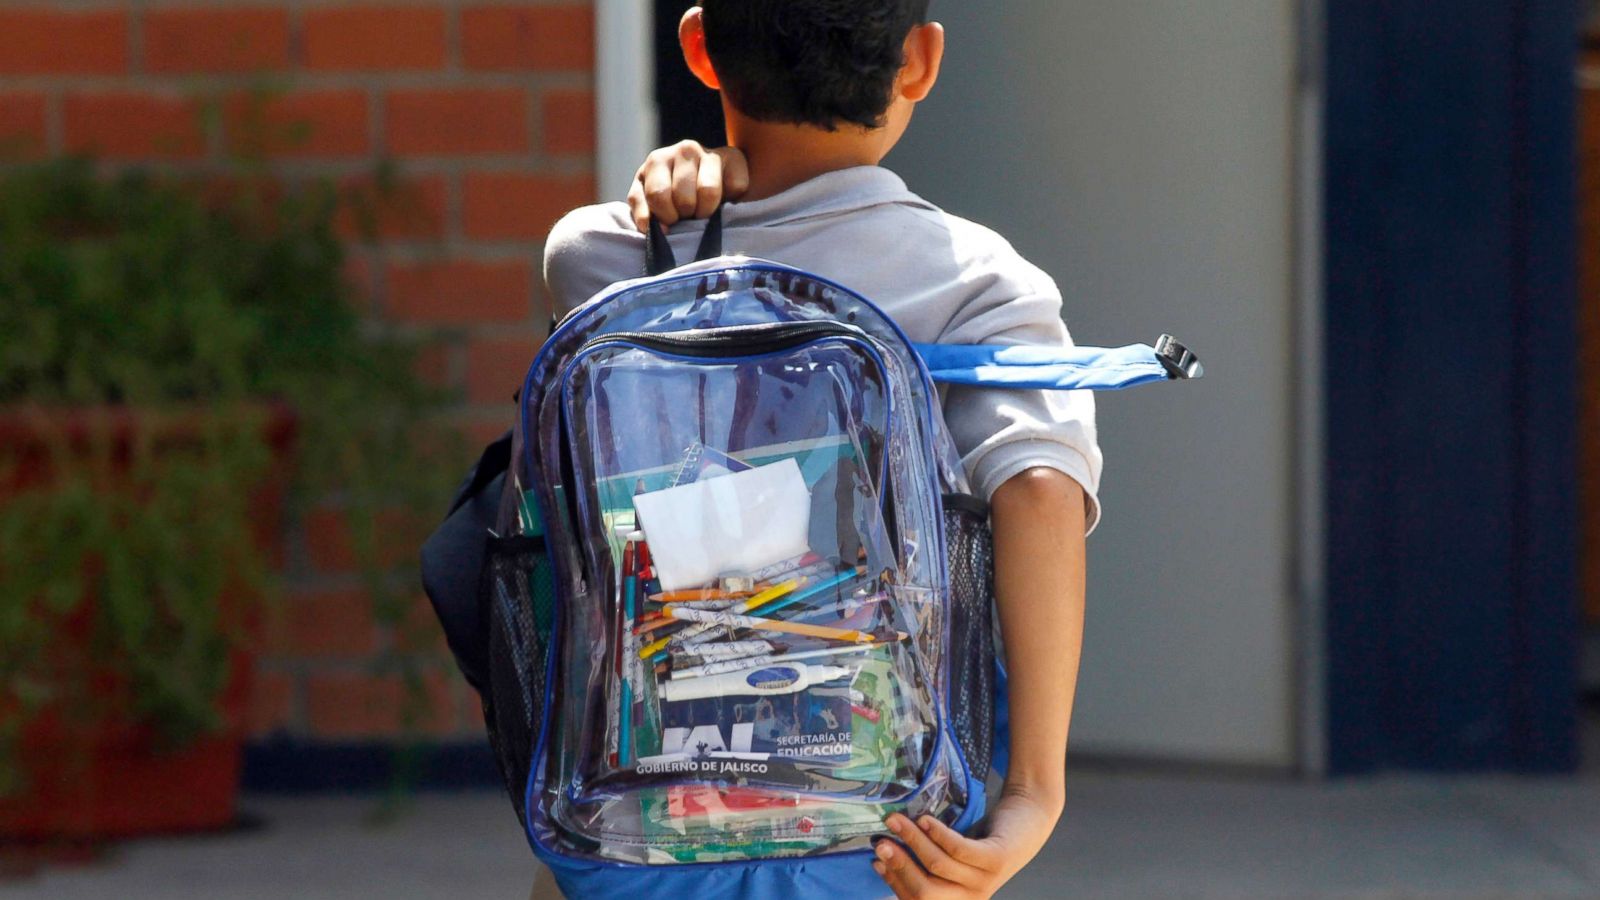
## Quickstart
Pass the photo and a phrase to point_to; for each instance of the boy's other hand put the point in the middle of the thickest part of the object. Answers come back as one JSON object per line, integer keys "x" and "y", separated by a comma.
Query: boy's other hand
{"x": 955, "y": 867}
{"x": 686, "y": 181}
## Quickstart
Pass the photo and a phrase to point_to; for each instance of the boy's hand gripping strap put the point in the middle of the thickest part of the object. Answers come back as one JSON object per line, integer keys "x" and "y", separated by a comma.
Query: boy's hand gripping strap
{"x": 1060, "y": 368}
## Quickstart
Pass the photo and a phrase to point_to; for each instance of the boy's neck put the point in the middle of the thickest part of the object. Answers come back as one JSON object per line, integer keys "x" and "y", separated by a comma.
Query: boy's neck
{"x": 781, "y": 155}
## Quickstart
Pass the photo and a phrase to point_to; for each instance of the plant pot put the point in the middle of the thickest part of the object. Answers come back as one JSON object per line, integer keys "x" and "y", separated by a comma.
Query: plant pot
{"x": 88, "y": 782}
{"x": 93, "y": 771}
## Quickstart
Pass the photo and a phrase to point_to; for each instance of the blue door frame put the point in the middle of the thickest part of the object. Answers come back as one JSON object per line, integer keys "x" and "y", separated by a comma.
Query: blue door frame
{"x": 1452, "y": 616}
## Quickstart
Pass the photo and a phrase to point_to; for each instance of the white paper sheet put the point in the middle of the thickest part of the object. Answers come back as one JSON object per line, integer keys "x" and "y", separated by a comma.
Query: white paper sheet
{"x": 727, "y": 525}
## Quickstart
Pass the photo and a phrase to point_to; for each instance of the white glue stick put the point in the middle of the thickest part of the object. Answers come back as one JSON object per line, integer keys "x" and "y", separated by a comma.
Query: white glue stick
{"x": 768, "y": 680}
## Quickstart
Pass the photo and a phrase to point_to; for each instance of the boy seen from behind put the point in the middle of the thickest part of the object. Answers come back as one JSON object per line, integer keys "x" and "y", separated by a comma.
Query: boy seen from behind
{"x": 816, "y": 93}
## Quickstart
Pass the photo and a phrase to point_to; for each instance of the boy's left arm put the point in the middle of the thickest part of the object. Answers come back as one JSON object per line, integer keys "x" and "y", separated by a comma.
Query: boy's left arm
{"x": 1039, "y": 564}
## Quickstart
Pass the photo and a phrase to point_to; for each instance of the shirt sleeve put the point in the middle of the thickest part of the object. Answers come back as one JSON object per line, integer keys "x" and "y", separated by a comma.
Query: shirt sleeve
{"x": 1002, "y": 432}
{"x": 589, "y": 249}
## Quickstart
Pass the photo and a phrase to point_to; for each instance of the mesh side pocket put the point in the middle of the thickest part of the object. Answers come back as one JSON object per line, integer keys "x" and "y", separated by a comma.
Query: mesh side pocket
{"x": 519, "y": 598}
{"x": 972, "y": 680}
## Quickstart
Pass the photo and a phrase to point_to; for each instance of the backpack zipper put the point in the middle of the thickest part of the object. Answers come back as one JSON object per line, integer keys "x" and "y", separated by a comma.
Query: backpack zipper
{"x": 770, "y": 337}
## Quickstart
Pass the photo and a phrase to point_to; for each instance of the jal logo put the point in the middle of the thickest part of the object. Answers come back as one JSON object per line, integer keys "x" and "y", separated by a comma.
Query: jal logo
{"x": 705, "y": 739}
{"x": 772, "y": 679}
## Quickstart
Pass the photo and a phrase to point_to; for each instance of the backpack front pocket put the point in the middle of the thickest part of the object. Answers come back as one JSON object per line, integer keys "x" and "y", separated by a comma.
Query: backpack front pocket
{"x": 749, "y": 656}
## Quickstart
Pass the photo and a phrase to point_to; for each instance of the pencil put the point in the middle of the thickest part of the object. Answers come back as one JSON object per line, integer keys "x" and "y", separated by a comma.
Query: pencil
{"x": 759, "y": 624}
{"x": 743, "y": 606}
{"x": 702, "y": 594}
{"x": 655, "y": 647}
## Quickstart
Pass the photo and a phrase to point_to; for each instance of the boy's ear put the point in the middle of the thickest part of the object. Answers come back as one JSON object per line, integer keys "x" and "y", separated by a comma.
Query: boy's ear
{"x": 692, "y": 38}
{"x": 924, "y": 53}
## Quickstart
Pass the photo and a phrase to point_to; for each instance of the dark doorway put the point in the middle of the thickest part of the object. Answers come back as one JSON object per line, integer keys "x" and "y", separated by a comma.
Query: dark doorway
{"x": 1452, "y": 382}
{"x": 689, "y": 111}
{"x": 1589, "y": 387}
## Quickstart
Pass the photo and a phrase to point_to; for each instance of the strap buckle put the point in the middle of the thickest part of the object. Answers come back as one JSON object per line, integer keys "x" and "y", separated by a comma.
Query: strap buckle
{"x": 1179, "y": 362}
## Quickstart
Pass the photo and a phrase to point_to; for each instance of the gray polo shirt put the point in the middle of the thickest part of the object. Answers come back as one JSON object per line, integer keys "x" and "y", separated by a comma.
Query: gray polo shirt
{"x": 942, "y": 278}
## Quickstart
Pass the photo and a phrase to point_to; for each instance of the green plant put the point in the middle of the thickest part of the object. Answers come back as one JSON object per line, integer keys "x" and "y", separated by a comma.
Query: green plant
{"x": 201, "y": 315}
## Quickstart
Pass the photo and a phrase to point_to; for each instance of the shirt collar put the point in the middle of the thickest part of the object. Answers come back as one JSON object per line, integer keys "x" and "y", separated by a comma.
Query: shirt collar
{"x": 839, "y": 191}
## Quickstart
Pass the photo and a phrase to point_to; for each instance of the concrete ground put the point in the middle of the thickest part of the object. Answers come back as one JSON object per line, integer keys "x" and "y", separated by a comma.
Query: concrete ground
{"x": 1124, "y": 836}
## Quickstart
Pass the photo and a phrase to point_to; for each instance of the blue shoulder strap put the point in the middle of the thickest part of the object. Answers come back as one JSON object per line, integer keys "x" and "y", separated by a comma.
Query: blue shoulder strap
{"x": 1060, "y": 368}
{"x": 1049, "y": 368}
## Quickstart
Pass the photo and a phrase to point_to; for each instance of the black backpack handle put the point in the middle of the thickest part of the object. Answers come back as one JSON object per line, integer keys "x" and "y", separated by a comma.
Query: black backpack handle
{"x": 658, "y": 256}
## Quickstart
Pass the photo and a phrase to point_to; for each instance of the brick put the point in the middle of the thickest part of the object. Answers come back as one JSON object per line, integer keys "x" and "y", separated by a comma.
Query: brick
{"x": 352, "y": 705}
{"x": 271, "y": 704}
{"x": 479, "y": 428}
{"x": 512, "y": 205}
{"x": 567, "y": 120}
{"x": 374, "y": 38}
{"x": 304, "y": 124}
{"x": 22, "y": 124}
{"x": 328, "y": 542}
{"x": 472, "y": 721}
{"x": 460, "y": 292}
{"x": 361, "y": 275}
{"x": 413, "y": 208}
{"x": 419, "y": 633}
{"x": 528, "y": 38}
{"x": 434, "y": 364}
{"x": 330, "y": 624}
{"x": 465, "y": 121}
{"x": 40, "y": 41}
{"x": 215, "y": 40}
{"x": 332, "y": 546}
{"x": 359, "y": 705}
{"x": 496, "y": 369}
{"x": 123, "y": 125}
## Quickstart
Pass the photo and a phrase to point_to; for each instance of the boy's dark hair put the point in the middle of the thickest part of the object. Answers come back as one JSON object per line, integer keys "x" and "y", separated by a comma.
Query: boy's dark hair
{"x": 810, "y": 62}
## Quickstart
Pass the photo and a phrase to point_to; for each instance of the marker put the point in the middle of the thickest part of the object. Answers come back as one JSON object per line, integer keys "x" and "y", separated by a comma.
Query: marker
{"x": 756, "y": 662}
{"x": 758, "y": 624}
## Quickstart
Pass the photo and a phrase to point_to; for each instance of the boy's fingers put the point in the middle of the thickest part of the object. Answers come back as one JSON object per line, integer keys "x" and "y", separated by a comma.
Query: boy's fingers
{"x": 638, "y": 207}
{"x": 735, "y": 172}
{"x": 932, "y": 856}
{"x": 657, "y": 179}
{"x": 708, "y": 186}
{"x": 974, "y": 853}
{"x": 685, "y": 177}
{"x": 894, "y": 865}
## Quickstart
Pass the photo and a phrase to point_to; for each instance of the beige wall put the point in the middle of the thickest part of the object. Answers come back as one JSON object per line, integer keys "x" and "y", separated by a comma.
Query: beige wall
{"x": 1142, "y": 153}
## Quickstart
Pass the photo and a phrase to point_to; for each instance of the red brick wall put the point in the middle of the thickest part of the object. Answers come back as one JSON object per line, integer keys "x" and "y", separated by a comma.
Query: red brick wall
{"x": 487, "y": 110}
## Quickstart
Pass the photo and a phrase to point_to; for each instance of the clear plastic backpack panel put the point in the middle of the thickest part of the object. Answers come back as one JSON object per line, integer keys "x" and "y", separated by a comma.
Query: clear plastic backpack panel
{"x": 743, "y": 472}
{"x": 758, "y": 631}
